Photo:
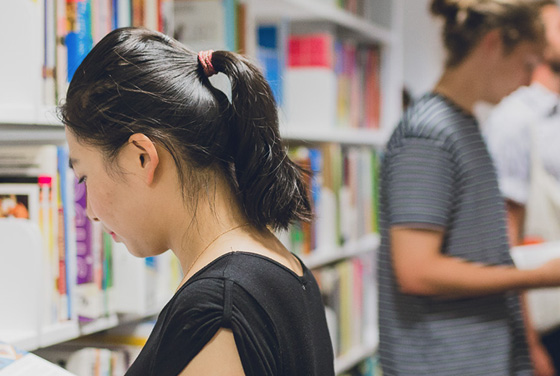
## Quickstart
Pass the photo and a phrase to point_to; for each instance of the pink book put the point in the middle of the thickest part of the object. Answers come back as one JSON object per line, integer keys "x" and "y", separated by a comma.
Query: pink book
{"x": 311, "y": 51}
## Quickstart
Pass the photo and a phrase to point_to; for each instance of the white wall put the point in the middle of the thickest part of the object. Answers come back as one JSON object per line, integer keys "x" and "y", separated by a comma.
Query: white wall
{"x": 423, "y": 51}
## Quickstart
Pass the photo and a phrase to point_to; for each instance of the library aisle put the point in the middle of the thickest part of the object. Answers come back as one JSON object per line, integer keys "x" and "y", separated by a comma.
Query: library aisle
{"x": 76, "y": 298}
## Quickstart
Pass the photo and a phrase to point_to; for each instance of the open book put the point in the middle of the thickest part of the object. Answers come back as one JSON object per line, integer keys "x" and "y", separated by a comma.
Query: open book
{"x": 14, "y": 362}
{"x": 544, "y": 304}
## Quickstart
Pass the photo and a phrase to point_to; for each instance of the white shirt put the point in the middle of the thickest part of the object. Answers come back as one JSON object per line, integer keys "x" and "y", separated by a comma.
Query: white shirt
{"x": 509, "y": 138}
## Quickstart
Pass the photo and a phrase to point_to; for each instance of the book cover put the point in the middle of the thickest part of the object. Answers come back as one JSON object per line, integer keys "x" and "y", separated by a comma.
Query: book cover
{"x": 20, "y": 201}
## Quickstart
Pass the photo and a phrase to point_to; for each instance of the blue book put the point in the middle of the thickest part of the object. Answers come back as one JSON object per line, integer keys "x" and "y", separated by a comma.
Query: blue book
{"x": 67, "y": 220}
{"x": 79, "y": 40}
{"x": 270, "y": 53}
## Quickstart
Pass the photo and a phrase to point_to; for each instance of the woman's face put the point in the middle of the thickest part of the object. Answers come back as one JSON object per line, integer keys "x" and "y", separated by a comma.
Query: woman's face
{"x": 114, "y": 199}
{"x": 512, "y": 70}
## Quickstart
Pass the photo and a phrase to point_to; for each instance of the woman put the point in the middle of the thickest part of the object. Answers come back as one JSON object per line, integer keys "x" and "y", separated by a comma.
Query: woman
{"x": 448, "y": 290}
{"x": 170, "y": 163}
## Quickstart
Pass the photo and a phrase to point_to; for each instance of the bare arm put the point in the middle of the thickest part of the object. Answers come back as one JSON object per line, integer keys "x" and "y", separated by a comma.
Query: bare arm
{"x": 421, "y": 269}
{"x": 218, "y": 358}
{"x": 542, "y": 363}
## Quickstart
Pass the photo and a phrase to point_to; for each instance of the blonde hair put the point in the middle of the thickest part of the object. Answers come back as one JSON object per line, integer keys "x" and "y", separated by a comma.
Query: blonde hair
{"x": 467, "y": 21}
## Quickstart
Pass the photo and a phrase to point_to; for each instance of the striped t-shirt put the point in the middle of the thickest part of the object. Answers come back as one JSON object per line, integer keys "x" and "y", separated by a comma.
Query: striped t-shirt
{"x": 437, "y": 172}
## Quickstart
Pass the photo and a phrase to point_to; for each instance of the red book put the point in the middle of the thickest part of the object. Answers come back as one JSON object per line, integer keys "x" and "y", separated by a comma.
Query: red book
{"x": 312, "y": 50}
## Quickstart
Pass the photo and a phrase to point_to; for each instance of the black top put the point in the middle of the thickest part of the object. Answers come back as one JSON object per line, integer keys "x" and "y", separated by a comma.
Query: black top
{"x": 277, "y": 319}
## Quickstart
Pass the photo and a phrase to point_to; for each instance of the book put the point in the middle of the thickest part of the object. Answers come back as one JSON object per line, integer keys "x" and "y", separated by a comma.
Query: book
{"x": 37, "y": 167}
{"x": 21, "y": 273}
{"x": 49, "y": 53}
{"x": 79, "y": 40}
{"x": 15, "y": 362}
{"x": 21, "y": 69}
{"x": 271, "y": 47}
{"x": 310, "y": 83}
{"x": 544, "y": 304}
{"x": 19, "y": 201}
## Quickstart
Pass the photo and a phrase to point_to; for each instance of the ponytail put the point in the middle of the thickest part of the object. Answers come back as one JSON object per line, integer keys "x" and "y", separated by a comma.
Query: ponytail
{"x": 270, "y": 185}
{"x": 140, "y": 81}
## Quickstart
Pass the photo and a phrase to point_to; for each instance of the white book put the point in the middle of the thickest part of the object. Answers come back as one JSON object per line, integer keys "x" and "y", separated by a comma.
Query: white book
{"x": 310, "y": 98}
{"x": 544, "y": 304}
{"x": 22, "y": 46}
{"x": 14, "y": 362}
{"x": 20, "y": 277}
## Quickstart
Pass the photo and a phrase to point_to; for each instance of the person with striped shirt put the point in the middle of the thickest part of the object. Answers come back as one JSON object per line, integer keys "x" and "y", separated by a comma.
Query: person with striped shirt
{"x": 449, "y": 300}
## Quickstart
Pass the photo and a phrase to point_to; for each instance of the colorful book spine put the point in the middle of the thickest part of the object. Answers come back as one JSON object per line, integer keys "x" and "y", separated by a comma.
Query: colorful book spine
{"x": 79, "y": 40}
{"x": 342, "y": 186}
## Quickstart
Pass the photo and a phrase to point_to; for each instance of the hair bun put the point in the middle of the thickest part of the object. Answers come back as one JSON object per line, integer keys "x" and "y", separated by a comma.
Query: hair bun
{"x": 445, "y": 8}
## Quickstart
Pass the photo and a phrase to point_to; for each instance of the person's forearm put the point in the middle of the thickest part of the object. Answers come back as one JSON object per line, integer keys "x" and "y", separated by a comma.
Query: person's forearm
{"x": 455, "y": 278}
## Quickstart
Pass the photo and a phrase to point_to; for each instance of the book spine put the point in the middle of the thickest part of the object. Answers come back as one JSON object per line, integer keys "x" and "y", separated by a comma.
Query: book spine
{"x": 61, "y": 50}
{"x": 79, "y": 40}
{"x": 50, "y": 51}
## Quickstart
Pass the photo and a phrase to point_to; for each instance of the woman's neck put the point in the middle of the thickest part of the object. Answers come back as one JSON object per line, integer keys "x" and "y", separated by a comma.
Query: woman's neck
{"x": 216, "y": 212}
{"x": 464, "y": 84}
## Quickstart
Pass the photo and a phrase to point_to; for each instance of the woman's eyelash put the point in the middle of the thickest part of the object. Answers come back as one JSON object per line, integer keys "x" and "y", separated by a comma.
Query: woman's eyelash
{"x": 81, "y": 180}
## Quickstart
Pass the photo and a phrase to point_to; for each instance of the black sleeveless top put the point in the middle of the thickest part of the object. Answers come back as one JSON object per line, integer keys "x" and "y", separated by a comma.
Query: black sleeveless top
{"x": 277, "y": 319}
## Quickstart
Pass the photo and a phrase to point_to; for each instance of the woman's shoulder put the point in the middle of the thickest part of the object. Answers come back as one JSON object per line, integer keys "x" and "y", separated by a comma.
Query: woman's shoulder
{"x": 248, "y": 270}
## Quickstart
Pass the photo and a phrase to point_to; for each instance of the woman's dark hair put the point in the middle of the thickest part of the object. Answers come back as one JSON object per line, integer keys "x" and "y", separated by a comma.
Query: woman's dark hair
{"x": 139, "y": 81}
{"x": 467, "y": 21}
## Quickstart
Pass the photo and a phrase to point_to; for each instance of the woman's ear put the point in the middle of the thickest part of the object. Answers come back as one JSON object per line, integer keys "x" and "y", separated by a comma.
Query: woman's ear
{"x": 492, "y": 42}
{"x": 144, "y": 154}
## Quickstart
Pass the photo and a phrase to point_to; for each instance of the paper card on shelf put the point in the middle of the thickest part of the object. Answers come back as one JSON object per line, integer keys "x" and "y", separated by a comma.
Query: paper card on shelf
{"x": 544, "y": 304}
{"x": 14, "y": 362}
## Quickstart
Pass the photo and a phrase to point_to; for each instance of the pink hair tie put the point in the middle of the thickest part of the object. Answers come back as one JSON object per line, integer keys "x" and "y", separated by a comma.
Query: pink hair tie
{"x": 205, "y": 59}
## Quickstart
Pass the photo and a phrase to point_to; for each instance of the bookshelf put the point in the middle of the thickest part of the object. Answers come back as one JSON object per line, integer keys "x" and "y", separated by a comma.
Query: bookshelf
{"x": 367, "y": 245}
{"x": 312, "y": 10}
{"x": 35, "y": 123}
{"x": 354, "y": 356}
{"x": 384, "y": 30}
{"x": 361, "y": 137}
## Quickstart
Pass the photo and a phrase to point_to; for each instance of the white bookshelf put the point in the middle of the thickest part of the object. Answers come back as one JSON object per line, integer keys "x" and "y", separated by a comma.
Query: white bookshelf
{"x": 313, "y": 10}
{"x": 363, "y": 137}
{"x": 354, "y": 356}
{"x": 360, "y": 29}
{"x": 22, "y": 115}
{"x": 321, "y": 257}
{"x": 67, "y": 331}
{"x": 31, "y": 133}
